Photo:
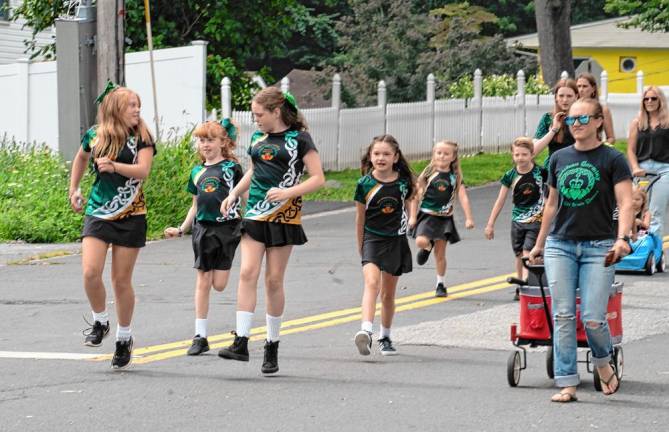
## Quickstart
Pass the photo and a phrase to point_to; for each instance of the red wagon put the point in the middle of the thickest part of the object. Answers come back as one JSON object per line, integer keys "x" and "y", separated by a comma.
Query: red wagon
{"x": 536, "y": 328}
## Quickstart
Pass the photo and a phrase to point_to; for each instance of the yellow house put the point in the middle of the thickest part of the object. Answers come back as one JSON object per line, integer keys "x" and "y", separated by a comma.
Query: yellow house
{"x": 602, "y": 45}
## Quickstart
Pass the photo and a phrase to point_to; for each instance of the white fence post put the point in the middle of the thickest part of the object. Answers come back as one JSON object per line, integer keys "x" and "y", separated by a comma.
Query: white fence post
{"x": 226, "y": 98}
{"x": 336, "y": 104}
{"x": 478, "y": 98}
{"x": 520, "y": 101}
{"x": 23, "y": 102}
{"x": 430, "y": 93}
{"x": 639, "y": 82}
{"x": 604, "y": 87}
{"x": 285, "y": 84}
{"x": 382, "y": 102}
{"x": 564, "y": 75}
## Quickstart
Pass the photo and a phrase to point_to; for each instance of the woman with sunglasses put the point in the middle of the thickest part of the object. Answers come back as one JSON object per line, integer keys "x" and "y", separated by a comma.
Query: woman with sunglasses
{"x": 587, "y": 88}
{"x": 648, "y": 150}
{"x": 551, "y": 131}
{"x": 586, "y": 181}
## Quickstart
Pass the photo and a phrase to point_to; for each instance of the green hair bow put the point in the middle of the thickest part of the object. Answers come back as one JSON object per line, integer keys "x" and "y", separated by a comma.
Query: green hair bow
{"x": 229, "y": 128}
{"x": 290, "y": 99}
{"x": 108, "y": 89}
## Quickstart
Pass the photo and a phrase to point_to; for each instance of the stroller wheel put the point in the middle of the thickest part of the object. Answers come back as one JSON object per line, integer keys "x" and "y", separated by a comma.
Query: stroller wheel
{"x": 513, "y": 369}
{"x": 549, "y": 363}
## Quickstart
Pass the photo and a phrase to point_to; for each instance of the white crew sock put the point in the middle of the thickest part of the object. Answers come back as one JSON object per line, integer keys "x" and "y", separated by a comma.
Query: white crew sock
{"x": 366, "y": 326}
{"x": 102, "y": 317}
{"x": 384, "y": 332}
{"x": 201, "y": 327}
{"x": 440, "y": 279}
{"x": 123, "y": 333}
{"x": 273, "y": 327}
{"x": 244, "y": 322}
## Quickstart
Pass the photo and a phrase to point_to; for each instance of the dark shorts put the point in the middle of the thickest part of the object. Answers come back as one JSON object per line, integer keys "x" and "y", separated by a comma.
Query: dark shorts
{"x": 214, "y": 244}
{"x": 273, "y": 234}
{"x": 524, "y": 236}
{"x": 390, "y": 254}
{"x": 436, "y": 228}
{"x": 128, "y": 232}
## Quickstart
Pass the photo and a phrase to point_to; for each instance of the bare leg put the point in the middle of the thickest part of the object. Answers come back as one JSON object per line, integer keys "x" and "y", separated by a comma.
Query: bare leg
{"x": 275, "y": 270}
{"x": 388, "y": 289}
{"x": 423, "y": 242}
{"x": 202, "y": 288}
{"x": 524, "y": 272}
{"x": 440, "y": 256}
{"x": 252, "y": 256}
{"x": 372, "y": 276}
{"x": 123, "y": 264}
{"x": 220, "y": 279}
{"x": 93, "y": 256}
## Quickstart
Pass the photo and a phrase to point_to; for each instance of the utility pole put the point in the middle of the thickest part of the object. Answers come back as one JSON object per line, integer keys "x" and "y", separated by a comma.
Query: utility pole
{"x": 110, "y": 42}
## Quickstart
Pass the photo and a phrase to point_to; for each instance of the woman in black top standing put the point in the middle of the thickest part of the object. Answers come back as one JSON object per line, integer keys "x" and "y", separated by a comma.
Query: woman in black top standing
{"x": 648, "y": 150}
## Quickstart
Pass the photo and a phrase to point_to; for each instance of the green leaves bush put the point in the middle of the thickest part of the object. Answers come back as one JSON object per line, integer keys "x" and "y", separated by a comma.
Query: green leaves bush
{"x": 496, "y": 85}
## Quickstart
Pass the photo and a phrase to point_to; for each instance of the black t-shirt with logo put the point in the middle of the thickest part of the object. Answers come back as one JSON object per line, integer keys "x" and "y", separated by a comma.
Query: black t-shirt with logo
{"x": 212, "y": 184}
{"x": 385, "y": 213}
{"x": 585, "y": 183}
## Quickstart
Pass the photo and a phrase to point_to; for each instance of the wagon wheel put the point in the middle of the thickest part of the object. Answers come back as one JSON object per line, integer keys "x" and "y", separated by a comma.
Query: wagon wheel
{"x": 549, "y": 363}
{"x": 595, "y": 379}
{"x": 513, "y": 369}
{"x": 619, "y": 362}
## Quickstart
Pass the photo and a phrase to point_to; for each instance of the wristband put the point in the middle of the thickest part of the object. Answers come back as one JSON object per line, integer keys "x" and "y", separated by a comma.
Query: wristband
{"x": 181, "y": 232}
{"x": 555, "y": 130}
{"x": 626, "y": 239}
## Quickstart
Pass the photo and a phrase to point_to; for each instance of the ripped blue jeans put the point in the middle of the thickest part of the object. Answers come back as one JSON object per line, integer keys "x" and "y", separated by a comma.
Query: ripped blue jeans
{"x": 571, "y": 265}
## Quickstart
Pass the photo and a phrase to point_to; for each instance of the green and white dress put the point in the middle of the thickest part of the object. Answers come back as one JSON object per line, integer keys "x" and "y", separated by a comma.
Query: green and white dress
{"x": 435, "y": 214}
{"x": 277, "y": 162}
{"x": 116, "y": 209}
{"x": 384, "y": 241}
{"x": 215, "y": 236}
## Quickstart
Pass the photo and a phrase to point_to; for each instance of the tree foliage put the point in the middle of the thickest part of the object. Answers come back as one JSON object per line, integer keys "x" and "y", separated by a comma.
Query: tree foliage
{"x": 648, "y": 15}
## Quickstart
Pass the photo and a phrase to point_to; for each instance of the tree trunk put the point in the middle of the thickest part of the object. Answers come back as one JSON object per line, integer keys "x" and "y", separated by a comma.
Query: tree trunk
{"x": 110, "y": 42}
{"x": 553, "y": 22}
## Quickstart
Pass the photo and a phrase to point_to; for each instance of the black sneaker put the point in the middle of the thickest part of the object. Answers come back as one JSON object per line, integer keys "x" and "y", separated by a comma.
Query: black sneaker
{"x": 422, "y": 256}
{"x": 386, "y": 347}
{"x": 441, "y": 291}
{"x": 238, "y": 350}
{"x": 122, "y": 355}
{"x": 270, "y": 363}
{"x": 95, "y": 333}
{"x": 199, "y": 346}
{"x": 363, "y": 340}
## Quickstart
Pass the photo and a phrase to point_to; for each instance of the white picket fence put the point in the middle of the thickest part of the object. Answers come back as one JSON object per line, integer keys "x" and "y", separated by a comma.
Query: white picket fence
{"x": 29, "y": 111}
{"x": 481, "y": 124}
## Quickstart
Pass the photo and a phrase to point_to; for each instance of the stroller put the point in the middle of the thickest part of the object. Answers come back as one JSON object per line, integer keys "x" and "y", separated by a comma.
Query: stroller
{"x": 647, "y": 254}
{"x": 536, "y": 327}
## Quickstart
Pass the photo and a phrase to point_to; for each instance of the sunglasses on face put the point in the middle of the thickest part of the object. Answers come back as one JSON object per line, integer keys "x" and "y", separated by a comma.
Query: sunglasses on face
{"x": 650, "y": 99}
{"x": 582, "y": 119}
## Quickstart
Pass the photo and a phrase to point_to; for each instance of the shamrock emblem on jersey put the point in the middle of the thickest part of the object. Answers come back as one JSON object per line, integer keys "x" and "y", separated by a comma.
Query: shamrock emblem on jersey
{"x": 388, "y": 205}
{"x": 210, "y": 184}
{"x": 267, "y": 152}
{"x": 577, "y": 183}
{"x": 440, "y": 185}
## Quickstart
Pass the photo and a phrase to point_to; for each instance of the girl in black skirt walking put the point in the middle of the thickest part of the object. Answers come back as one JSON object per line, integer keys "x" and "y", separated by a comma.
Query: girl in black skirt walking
{"x": 215, "y": 235}
{"x": 432, "y": 213}
{"x": 382, "y": 196}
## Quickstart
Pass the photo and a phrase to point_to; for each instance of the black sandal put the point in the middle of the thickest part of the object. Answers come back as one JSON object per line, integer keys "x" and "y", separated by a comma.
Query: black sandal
{"x": 604, "y": 382}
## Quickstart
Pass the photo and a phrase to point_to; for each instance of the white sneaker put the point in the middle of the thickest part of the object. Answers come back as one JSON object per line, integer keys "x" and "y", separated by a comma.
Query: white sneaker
{"x": 363, "y": 340}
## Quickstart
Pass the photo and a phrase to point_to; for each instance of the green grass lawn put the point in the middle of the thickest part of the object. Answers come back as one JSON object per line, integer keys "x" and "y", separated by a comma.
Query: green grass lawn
{"x": 477, "y": 170}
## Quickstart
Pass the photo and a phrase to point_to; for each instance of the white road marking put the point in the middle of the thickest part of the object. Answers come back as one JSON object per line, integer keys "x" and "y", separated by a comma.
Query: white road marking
{"x": 47, "y": 355}
{"x": 329, "y": 213}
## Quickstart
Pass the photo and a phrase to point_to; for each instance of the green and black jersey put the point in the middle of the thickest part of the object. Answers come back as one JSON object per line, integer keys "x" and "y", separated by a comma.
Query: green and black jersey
{"x": 277, "y": 162}
{"x": 212, "y": 184}
{"x": 439, "y": 194}
{"x": 529, "y": 192}
{"x": 385, "y": 212}
{"x": 113, "y": 195}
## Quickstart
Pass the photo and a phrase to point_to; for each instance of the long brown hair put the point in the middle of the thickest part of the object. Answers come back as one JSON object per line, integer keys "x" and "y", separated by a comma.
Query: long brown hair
{"x": 214, "y": 130}
{"x": 590, "y": 78}
{"x": 112, "y": 132}
{"x": 454, "y": 166}
{"x": 662, "y": 110}
{"x": 563, "y": 83}
{"x": 271, "y": 98}
{"x": 401, "y": 166}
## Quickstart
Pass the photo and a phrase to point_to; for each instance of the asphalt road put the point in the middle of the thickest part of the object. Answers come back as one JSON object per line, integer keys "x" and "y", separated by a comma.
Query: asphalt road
{"x": 442, "y": 380}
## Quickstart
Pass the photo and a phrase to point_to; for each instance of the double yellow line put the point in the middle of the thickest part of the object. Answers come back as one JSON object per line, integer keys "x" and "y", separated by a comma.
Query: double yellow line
{"x": 329, "y": 319}
{"x": 313, "y": 322}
